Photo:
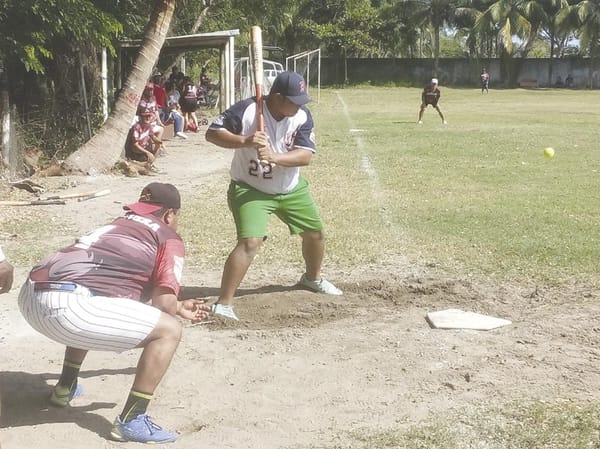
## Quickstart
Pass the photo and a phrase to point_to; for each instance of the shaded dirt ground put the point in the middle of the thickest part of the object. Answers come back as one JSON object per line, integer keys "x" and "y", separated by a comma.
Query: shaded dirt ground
{"x": 301, "y": 370}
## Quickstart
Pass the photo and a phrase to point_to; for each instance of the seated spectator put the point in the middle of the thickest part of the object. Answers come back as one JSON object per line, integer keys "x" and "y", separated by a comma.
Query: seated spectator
{"x": 569, "y": 81}
{"x": 148, "y": 104}
{"x": 174, "y": 111}
{"x": 141, "y": 144}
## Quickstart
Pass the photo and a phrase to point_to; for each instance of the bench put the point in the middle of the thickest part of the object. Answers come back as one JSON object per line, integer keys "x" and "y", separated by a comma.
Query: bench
{"x": 528, "y": 83}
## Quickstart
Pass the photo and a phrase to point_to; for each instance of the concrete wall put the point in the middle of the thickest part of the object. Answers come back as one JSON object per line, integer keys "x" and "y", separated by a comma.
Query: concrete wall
{"x": 457, "y": 72}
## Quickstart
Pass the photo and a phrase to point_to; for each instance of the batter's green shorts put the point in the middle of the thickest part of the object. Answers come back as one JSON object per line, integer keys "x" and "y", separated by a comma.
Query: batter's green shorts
{"x": 251, "y": 209}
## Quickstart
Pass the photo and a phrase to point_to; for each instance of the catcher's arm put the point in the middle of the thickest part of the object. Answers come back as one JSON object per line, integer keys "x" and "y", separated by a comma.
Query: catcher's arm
{"x": 164, "y": 298}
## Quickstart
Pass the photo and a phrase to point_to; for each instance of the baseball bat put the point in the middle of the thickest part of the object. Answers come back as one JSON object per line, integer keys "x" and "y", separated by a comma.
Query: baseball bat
{"x": 257, "y": 74}
{"x": 93, "y": 193}
{"x": 31, "y": 203}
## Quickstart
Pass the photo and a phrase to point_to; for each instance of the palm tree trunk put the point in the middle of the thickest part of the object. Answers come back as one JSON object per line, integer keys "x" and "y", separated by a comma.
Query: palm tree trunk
{"x": 194, "y": 29}
{"x": 103, "y": 150}
{"x": 551, "y": 62}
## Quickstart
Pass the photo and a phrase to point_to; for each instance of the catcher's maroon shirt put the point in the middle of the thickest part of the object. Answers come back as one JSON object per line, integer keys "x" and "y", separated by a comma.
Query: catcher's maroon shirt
{"x": 126, "y": 259}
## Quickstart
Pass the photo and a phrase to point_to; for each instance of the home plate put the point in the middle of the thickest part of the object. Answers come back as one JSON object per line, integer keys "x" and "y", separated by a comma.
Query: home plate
{"x": 459, "y": 319}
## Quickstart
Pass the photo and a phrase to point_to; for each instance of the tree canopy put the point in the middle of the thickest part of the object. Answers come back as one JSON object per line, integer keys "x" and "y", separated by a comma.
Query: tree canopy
{"x": 45, "y": 44}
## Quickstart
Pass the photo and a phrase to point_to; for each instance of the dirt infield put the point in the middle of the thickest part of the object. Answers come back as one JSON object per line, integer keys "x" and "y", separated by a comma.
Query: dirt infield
{"x": 301, "y": 370}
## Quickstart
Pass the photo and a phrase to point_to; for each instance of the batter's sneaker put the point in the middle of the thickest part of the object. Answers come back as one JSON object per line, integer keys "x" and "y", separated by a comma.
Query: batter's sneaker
{"x": 320, "y": 286}
{"x": 224, "y": 311}
{"x": 141, "y": 430}
{"x": 62, "y": 396}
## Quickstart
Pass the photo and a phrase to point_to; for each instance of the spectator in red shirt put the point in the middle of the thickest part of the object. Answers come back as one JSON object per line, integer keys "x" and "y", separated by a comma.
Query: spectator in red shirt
{"x": 161, "y": 97}
{"x": 142, "y": 144}
{"x": 148, "y": 103}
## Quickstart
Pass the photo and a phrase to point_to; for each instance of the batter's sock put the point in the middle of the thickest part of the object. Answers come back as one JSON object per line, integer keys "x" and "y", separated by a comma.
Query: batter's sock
{"x": 68, "y": 377}
{"x": 136, "y": 405}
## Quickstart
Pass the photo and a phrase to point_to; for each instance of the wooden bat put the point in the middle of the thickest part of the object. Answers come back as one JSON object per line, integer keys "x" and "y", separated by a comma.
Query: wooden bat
{"x": 92, "y": 194}
{"x": 31, "y": 203}
{"x": 257, "y": 74}
{"x": 257, "y": 71}
{"x": 57, "y": 199}
{"x": 95, "y": 195}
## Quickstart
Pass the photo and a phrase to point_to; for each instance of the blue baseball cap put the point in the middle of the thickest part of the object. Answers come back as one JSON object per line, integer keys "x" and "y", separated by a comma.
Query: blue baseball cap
{"x": 292, "y": 86}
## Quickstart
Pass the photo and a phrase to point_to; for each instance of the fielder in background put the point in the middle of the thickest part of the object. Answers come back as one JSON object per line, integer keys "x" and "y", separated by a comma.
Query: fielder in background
{"x": 115, "y": 289}
{"x": 6, "y": 278}
{"x": 265, "y": 180}
{"x": 485, "y": 80}
{"x": 431, "y": 96}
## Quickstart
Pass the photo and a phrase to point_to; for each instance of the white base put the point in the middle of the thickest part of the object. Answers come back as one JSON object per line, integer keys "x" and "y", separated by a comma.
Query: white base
{"x": 459, "y": 319}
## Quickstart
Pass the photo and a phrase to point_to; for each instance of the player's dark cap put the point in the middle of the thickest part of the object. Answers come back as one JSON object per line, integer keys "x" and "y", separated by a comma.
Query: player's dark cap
{"x": 155, "y": 196}
{"x": 292, "y": 86}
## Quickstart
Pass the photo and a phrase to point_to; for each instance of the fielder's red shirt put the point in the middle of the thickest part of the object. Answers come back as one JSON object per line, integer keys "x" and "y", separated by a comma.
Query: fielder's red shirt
{"x": 126, "y": 259}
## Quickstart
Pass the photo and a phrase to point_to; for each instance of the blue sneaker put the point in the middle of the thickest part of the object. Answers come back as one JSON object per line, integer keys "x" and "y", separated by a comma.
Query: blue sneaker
{"x": 62, "y": 396}
{"x": 141, "y": 430}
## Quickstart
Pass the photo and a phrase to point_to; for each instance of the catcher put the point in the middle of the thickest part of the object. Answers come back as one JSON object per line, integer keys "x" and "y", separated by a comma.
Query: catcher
{"x": 116, "y": 289}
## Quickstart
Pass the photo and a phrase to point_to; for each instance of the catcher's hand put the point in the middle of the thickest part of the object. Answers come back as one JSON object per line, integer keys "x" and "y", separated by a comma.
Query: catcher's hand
{"x": 193, "y": 309}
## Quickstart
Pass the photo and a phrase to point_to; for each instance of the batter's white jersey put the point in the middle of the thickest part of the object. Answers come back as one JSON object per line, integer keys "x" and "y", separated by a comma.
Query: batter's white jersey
{"x": 290, "y": 133}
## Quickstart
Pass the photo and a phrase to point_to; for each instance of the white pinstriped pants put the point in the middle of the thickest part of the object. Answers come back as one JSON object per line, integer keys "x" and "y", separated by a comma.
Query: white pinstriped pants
{"x": 82, "y": 321}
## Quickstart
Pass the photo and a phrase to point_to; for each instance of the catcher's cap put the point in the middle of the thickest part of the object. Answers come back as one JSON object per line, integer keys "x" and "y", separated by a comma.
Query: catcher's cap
{"x": 292, "y": 86}
{"x": 434, "y": 80}
{"x": 155, "y": 196}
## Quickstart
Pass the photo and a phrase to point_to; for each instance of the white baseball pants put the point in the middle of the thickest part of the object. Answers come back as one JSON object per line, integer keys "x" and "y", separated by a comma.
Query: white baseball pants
{"x": 67, "y": 313}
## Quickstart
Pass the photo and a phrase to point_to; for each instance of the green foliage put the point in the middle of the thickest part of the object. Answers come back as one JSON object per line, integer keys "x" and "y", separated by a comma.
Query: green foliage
{"x": 33, "y": 29}
{"x": 451, "y": 47}
{"x": 340, "y": 26}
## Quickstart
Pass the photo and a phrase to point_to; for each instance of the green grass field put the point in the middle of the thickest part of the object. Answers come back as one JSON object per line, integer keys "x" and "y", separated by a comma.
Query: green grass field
{"x": 474, "y": 197}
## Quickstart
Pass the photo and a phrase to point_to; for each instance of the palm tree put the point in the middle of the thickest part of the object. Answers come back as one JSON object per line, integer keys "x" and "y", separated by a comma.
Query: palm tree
{"x": 587, "y": 15}
{"x": 466, "y": 15}
{"x": 397, "y": 32}
{"x": 104, "y": 149}
{"x": 435, "y": 14}
{"x": 517, "y": 23}
{"x": 553, "y": 27}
